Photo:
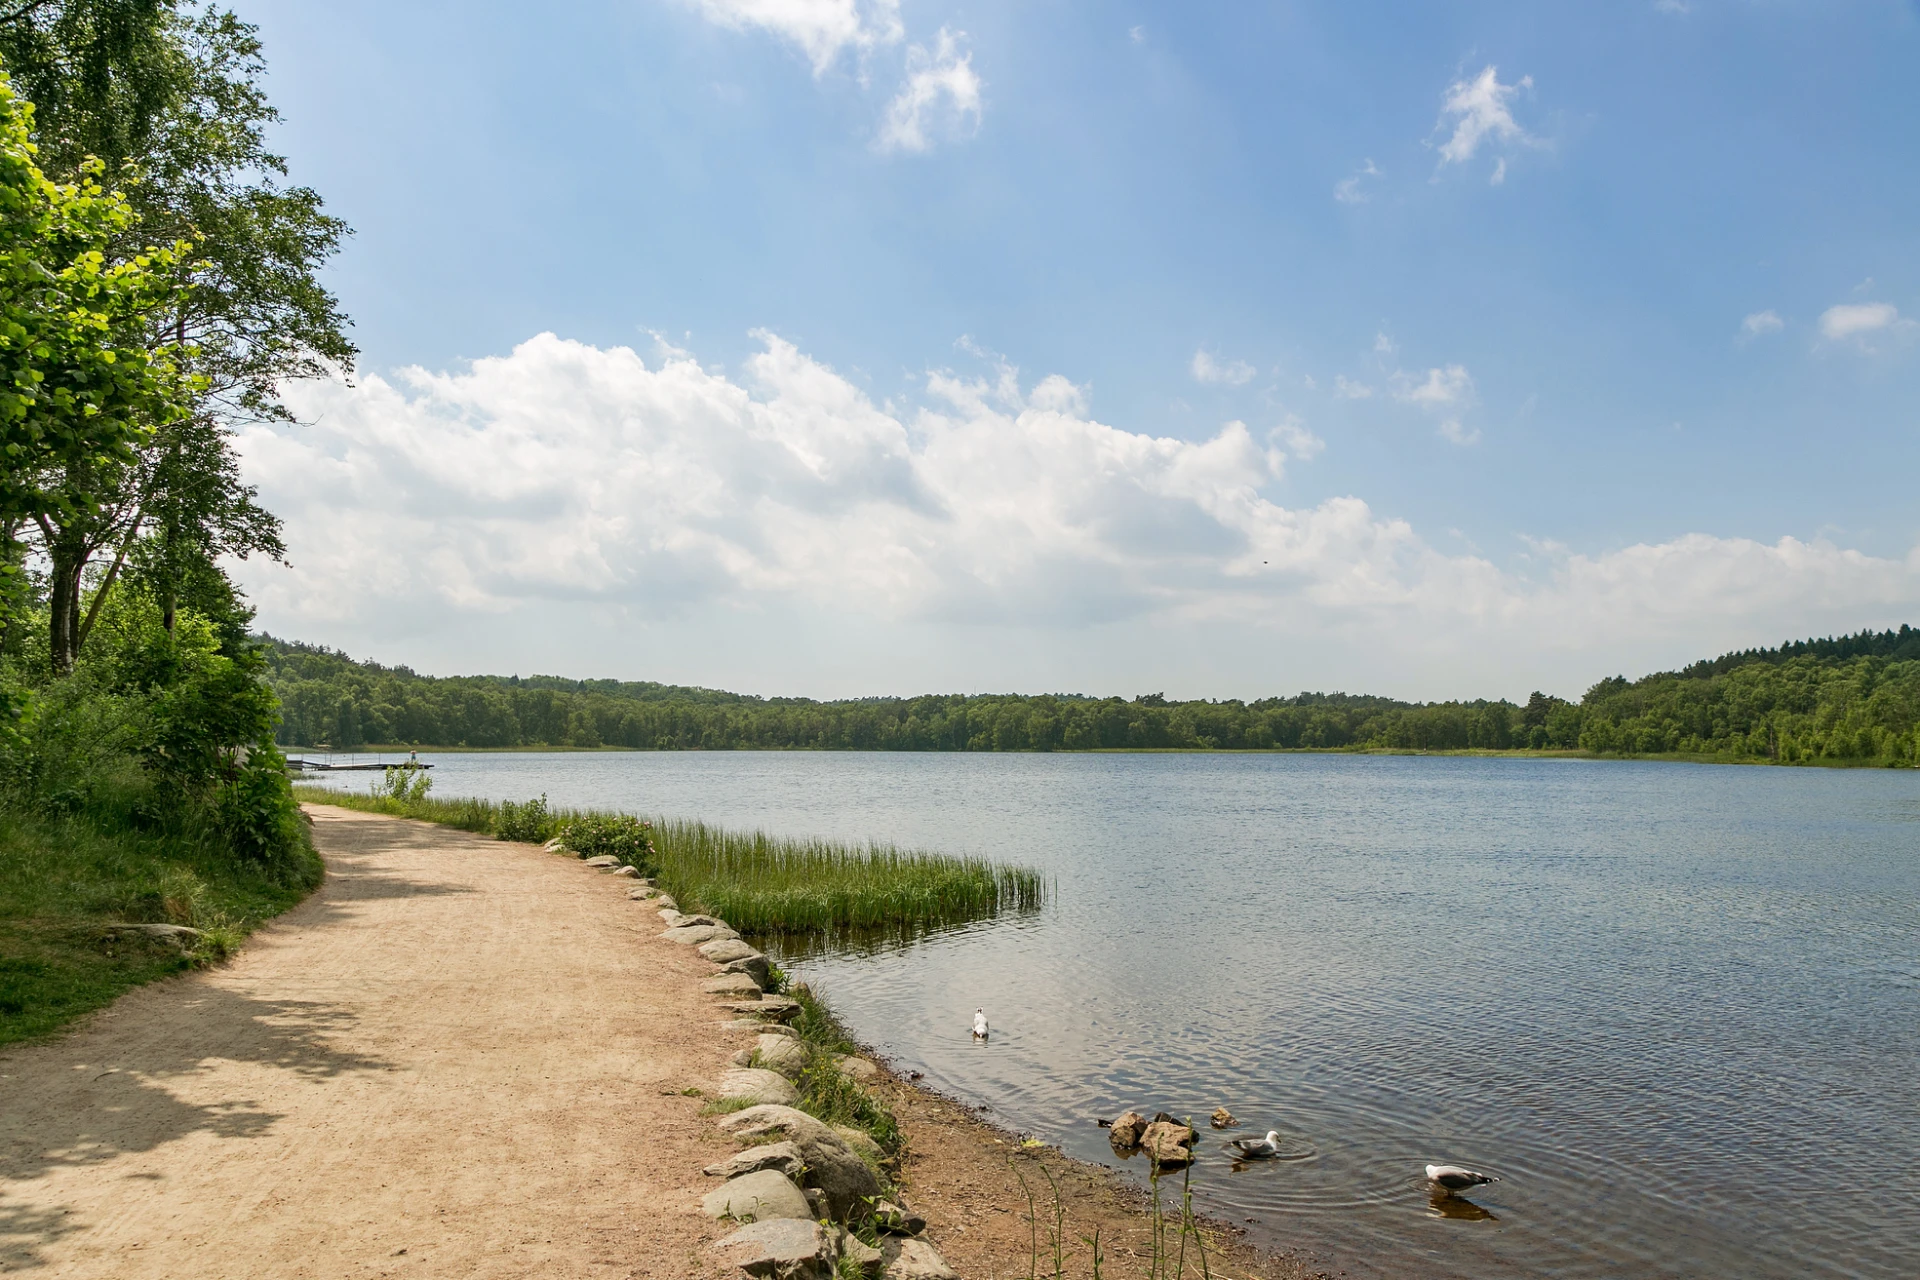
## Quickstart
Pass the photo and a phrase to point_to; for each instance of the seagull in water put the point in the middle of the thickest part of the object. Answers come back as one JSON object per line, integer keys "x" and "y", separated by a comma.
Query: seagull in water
{"x": 1257, "y": 1148}
{"x": 1452, "y": 1179}
{"x": 979, "y": 1024}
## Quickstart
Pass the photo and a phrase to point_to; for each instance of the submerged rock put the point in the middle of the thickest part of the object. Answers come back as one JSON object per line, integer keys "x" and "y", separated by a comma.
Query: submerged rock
{"x": 755, "y": 1197}
{"x": 1126, "y": 1130}
{"x": 785, "y": 1249}
{"x": 1223, "y": 1118}
{"x": 758, "y": 1085}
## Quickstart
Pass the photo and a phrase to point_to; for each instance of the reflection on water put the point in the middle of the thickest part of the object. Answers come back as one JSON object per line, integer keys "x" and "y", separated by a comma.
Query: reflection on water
{"x": 1457, "y": 1209}
{"x": 1631, "y": 989}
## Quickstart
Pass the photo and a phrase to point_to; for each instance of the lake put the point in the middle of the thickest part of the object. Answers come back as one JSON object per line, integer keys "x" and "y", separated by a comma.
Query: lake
{"x": 1675, "y": 1008}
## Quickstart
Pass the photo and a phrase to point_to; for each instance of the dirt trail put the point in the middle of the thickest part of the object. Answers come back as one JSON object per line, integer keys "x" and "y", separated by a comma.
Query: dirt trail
{"x": 458, "y": 1058}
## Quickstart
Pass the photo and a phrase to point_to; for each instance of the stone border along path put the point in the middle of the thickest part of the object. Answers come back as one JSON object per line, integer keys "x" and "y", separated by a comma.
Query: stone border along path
{"x": 458, "y": 1058}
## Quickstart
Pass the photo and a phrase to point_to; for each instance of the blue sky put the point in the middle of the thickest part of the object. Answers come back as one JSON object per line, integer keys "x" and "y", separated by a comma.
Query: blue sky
{"x": 1486, "y": 346}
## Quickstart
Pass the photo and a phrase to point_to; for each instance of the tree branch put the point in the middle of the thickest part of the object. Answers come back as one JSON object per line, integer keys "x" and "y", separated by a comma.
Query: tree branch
{"x": 24, "y": 10}
{"x": 106, "y": 583}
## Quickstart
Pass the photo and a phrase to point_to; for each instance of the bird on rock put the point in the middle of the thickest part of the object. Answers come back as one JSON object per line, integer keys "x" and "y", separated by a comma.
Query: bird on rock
{"x": 1453, "y": 1180}
{"x": 979, "y": 1024}
{"x": 1257, "y": 1148}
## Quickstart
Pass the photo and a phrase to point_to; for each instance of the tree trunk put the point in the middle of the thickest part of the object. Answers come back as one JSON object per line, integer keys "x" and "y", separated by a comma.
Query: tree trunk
{"x": 64, "y": 614}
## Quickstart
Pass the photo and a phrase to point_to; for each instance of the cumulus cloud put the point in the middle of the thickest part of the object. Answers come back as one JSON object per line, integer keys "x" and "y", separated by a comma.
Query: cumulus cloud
{"x": 822, "y": 29}
{"x": 1761, "y": 322}
{"x": 1859, "y": 320}
{"x": 1234, "y": 373}
{"x": 941, "y": 90}
{"x": 1480, "y": 113}
{"x": 1440, "y": 389}
{"x": 563, "y": 477}
{"x": 1347, "y": 389}
{"x": 1352, "y": 189}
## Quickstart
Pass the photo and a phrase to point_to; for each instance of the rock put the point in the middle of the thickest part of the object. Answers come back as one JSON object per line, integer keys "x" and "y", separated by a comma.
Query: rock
{"x": 723, "y": 950}
{"x": 784, "y": 1249}
{"x": 757, "y": 1026}
{"x": 1125, "y": 1131}
{"x": 670, "y": 917}
{"x": 861, "y": 1254}
{"x": 817, "y": 1201}
{"x": 667, "y": 903}
{"x": 755, "y": 967}
{"x": 731, "y": 984}
{"x": 914, "y": 1260}
{"x": 832, "y": 1166}
{"x": 689, "y": 935}
{"x": 556, "y": 845}
{"x": 1223, "y": 1118}
{"x": 781, "y": 1157}
{"x": 1169, "y": 1143}
{"x": 857, "y": 1067}
{"x": 773, "y": 1008}
{"x": 758, "y": 1085}
{"x": 703, "y": 920}
{"x": 179, "y": 933}
{"x": 603, "y": 861}
{"x": 863, "y": 1145}
{"x": 631, "y": 873}
{"x": 755, "y": 1197}
{"x": 894, "y": 1218}
{"x": 780, "y": 1051}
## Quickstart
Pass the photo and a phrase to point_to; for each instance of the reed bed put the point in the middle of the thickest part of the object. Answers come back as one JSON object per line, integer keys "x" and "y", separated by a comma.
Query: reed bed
{"x": 777, "y": 885}
{"x": 772, "y": 886}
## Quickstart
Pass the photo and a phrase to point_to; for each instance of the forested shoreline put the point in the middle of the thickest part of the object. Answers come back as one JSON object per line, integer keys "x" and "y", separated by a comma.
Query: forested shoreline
{"x": 1847, "y": 700}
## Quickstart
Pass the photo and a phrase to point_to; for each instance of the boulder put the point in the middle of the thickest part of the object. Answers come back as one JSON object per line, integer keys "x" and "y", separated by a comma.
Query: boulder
{"x": 914, "y": 1260}
{"x": 603, "y": 861}
{"x": 783, "y": 1249}
{"x": 817, "y": 1201}
{"x": 895, "y": 1219}
{"x": 757, "y": 1026}
{"x": 777, "y": 1008}
{"x": 667, "y": 903}
{"x": 731, "y": 984}
{"x": 755, "y": 1197}
{"x": 670, "y": 917}
{"x": 758, "y": 1085}
{"x": 1125, "y": 1132}
{"x": 691, "y": 935}
{"x": 755, "y": 967}
{"x": 724, "y": 950}
{"x": 780, "y": 1051}
{"x": 704, "y": 920}
{"x": 641, "y": 894}
{"x": 862, "y": 1255}
{"x": 1223, "y": 1118}
{"x": 857, "y": 1067}
{"x": 1169, "y": 1143}
{"x": 781, "y": 1157}
{"x": 834, "y": 1167}
{"x": 863, "y": 1145}
{"x": 178, "y": 933}
{"x": 631, "y": 873}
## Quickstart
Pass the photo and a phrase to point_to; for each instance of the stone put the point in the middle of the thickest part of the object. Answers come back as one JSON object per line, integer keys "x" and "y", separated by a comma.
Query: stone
{"x": 817, "y": 1201}
{"x": 667, "y": 903}
{"x": 670, "y": 917}
{"x": 1169, "y": 1143}
{"x": 755, "y": 1197}
{"x": 851, "y": 1186}
{"x": 863, "y": 1145}
{"x": 773, "y": 1008}
{"x": 783, "y": 1249}
{"x": 861, "y": 1254}
{"x": 758, "y": 1085}
{"x": 857, "y": 1067}
{"x": 690, "y": 935}
{"x": 631, "y": 873}
{"x": 756, "y": 1025}
{"x": 1223, "y": 1118}
{"x": 780, "y": 1051}
{"x": 704, "y": 920}
{"x": 781, "y": 1157}
{"x": 641, "y": 894}
{"x": 755, "y": 967}
{"x": 1125, "y": 1131}
{"x": 731, "y": 984}
{"x": 723, "y": 950}
{"x": 603, "y": 861}
{"x": 915, "y": 1260}
{"x": 179, "y": 934}
{"x": 895, "y": 1219}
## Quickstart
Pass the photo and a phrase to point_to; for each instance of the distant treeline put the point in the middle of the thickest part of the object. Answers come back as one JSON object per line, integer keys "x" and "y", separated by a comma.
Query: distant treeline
{"x": 1854, "y": 699}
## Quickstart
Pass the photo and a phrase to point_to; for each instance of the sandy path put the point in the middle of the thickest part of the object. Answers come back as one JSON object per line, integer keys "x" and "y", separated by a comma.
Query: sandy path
{"x": 458, "y": 1058}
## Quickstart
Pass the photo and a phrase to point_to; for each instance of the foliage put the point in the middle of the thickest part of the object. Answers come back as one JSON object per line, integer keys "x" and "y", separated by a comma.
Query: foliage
{"x": 1839, "y": 701}
{"x": 620, "y": 835}
{"x": 529, "y": 821}
{"x": 828, "y": 1093}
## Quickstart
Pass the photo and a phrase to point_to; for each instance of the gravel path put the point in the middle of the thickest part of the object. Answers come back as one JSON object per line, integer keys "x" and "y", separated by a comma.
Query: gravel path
{"x": 458, "y": 1058}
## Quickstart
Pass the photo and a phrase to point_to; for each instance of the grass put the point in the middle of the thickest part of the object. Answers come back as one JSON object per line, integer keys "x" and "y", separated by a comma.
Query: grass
{"x": 66, "y": 880}
{"x": 764, "y": 885}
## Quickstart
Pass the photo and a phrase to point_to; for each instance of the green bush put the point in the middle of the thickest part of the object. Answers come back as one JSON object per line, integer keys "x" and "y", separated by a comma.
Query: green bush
{"x": 625, "y": 837}
{"x": 530, "y": 822}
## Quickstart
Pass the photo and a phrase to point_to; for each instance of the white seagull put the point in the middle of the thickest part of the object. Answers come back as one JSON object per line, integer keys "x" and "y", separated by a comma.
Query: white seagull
{"x": 980, "y": 1024}
{"x": 1257, "y": 1148}
{"x": 1452, "y": 1179}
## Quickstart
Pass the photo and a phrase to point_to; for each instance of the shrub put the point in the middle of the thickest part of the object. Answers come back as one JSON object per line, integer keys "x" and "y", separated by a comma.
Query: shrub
{"x": 625, "y": 837}
{"x": 530, "y": 822}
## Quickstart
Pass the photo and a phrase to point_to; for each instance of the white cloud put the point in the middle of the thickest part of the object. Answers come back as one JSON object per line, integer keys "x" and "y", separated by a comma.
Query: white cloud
{"x": 1137, "y": 34}
{"x": 941, "y": 88}
{"x": 1347, "y": 389}
{"x": 1454, "y": 433}
{"x": 568, "y": 496}
{"x": 1761, "y": 322}
{"x": 1383, "y": 345}
{"x": 1480, "y": 112}
{"x": 1858, "y": 319}
{"x": 1441, "y": 388}
{"x": 821, "y": 28}
{"x": 1234, "y": 373}
{"x": 1351, "y": 189}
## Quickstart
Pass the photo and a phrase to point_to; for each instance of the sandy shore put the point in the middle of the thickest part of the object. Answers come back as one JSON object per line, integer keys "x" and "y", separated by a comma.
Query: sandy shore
{"x": 460, "y": 1057}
